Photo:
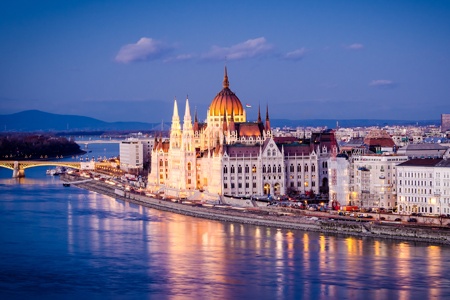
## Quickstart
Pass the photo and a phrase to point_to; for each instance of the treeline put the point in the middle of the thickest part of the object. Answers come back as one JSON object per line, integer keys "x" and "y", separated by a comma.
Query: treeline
{"x": 36, "y": 146}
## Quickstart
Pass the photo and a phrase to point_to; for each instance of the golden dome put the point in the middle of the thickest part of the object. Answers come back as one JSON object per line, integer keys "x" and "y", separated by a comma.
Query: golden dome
{"x": 226, "y": 102}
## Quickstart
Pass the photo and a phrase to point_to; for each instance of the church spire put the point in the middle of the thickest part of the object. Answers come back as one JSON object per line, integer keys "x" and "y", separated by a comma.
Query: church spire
{"x": 187, "y": 122}
{"x": 226, "y": 84}
{"x": 175, "y": 117}
{"x": 231, "y": 126}
{"x": 224, "y": 125}
{"x": 267, "y": 118}
{"x": 259, "y": 114}
{"x": 195, "y": 120}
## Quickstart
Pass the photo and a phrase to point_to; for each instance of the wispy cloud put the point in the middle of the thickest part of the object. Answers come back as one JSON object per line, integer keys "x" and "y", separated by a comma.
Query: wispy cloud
{"x": 249, "y": 49}
{"x": 296, "y": 54}
{"x": 145, "y": 49}
{"x": 355, "y": 46}
{"x": 382, "y": 83}
{"x": 181, "y": 57}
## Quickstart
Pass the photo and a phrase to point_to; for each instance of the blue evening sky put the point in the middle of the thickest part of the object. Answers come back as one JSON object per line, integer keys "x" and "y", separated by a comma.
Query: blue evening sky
{"x": 128, "y": 60}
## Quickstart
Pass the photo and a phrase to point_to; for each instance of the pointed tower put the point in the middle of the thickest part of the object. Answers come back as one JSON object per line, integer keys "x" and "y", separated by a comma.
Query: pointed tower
{"x": 232, "y": 128}
{"x": 225, "y": 83}
{"x": 259, "y": 114}
{"x": 175, "y": 129}
{"x": 267, "y": 119}
{"x": 196, "y": 127}
{"x": 187, "y": 121}
{"x": 188, "y": 130}
{"x": 224, "y": 125}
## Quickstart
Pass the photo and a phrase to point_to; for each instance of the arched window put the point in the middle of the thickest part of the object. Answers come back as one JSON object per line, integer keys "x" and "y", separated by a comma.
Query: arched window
{"x": 239, "y": 169}
{"x": 247, "y": 169}
{"x": 279, "y": 168}
{"x": 306, "y": 168}
{"x": 232, "y": 169}
{"x": 299, "y": 168}
{"x": 189, "y": 166}
{"x": 274, "y": 152}
{"x": 269, "y": 169}
{"x": 254, "y": 169}
{"x": 274, "y": 168}
{"x": 313, "y": 168}
{"x": 264, "y": 168}
{"x": 161, "y": 163}
{"x": 291, "y": 168}
{"x": 225, "y": 170}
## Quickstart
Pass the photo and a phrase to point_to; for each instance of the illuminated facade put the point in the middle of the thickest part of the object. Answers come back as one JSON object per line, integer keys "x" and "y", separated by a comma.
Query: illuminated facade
{"x": 228, "y": 155}
{"x": 424, "y": 186}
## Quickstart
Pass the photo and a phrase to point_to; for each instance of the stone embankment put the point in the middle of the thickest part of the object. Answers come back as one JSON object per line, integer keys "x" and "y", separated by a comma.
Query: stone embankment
{"x": 273, "y": 217}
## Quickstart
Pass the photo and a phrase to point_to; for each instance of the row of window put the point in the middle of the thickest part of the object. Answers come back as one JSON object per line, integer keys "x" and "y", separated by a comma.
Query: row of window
{"x": 415, "y": 183}
{"x": 247, "y": 185}
{"x": 415, "y": 175}
{"x": 267, "y": 169}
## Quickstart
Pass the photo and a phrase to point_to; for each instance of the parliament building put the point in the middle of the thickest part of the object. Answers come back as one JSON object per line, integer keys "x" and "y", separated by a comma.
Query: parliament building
{"x": 228, "y": 155}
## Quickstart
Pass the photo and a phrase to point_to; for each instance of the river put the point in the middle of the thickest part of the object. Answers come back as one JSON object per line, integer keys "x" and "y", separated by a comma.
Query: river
{"x": 67, "y": 243}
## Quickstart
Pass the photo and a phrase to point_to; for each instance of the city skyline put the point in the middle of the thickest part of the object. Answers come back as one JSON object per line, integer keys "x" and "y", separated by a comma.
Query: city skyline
{"x": 120, "y": 61}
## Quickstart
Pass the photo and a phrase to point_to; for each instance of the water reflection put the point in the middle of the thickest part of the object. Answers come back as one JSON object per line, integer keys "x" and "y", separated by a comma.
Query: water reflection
{"x": 97, "y": 245}
{"x": 224, "y": 260}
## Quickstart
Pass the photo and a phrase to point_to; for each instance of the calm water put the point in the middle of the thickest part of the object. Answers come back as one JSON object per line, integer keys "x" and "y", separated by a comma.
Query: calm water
{"x": 68, "y": 243}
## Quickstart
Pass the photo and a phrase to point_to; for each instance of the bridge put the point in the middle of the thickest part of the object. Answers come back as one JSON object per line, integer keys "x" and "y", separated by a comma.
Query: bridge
{"x": 18, "y": 167}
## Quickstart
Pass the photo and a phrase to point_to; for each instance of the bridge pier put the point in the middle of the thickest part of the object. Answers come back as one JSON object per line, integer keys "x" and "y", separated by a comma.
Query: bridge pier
{"x": 18, "y": 172}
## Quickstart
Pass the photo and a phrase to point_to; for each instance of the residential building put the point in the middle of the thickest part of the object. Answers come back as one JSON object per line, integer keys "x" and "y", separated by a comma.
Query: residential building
{"x": 131, "y": 155}
{"x": 424, "y": 186}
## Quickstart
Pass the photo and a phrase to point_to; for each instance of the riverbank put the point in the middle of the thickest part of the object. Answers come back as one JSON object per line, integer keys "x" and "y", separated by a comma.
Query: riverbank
{"x": 278, "y": 218}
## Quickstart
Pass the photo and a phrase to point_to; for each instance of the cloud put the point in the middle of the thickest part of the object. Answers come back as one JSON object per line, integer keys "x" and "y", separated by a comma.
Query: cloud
{"x": 249, "y": 49}
{"x": 382, "y": 83}
{"x": 181, "y": 57}
{"x": 355, "y": 46}
{"x": 296, "y": 54}
{"x": 145, "y": 49}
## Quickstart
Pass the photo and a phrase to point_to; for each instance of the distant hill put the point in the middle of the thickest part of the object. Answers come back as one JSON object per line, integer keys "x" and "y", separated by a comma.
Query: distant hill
{"x": 35, "y": 120}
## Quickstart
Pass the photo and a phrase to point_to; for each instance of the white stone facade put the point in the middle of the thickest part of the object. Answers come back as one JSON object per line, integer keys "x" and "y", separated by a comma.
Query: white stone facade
{"x": 424, "y": 186}
{"x": 131, "y": 155}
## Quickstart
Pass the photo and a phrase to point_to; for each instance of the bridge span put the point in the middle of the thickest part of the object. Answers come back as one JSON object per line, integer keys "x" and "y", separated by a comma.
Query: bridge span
{"x": 18, "y": 167}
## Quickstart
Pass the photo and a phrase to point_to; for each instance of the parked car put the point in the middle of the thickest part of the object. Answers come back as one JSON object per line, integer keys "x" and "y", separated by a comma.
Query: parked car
{"x": 398, "y": 220}
{"x": 412, "y": 220}
{"x": 382, "y": 218}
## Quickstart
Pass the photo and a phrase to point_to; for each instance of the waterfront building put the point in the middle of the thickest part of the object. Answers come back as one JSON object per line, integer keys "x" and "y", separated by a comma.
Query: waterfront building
{"x": 445, "y": 122}
{"x": 424, "y": 186}
{"x": 375, "y": 183}
{"x": 339, "y": 180}
{"x": 131, "y": 155}
{"x": 228, "y": 155}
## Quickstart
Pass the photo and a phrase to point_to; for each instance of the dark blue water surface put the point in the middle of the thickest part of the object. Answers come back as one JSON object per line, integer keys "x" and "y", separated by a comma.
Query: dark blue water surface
{"x": 68, "y": 243}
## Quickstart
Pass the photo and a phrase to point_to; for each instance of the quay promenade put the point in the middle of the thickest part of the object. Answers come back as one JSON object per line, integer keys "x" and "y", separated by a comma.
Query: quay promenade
{"x": 279, "y": 218}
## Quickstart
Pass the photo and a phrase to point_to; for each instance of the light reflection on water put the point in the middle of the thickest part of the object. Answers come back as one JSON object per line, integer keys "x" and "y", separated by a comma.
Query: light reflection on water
{"x": 59, "y": 242}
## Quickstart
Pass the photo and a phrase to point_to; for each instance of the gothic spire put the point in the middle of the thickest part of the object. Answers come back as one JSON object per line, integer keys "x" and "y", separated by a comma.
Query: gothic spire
{"x": 267, "y": 118}
{"x": 175, "y": 117}
{"x": 259, "y": 114}
{"x": 226, "y": 84}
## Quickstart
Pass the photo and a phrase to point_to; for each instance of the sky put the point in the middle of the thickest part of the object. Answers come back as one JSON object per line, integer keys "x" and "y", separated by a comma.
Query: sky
{"x": 128, "y": 60}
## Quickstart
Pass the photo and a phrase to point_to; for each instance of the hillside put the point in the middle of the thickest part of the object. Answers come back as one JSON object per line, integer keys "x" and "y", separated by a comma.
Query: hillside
{"x": 35, "y": 120}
